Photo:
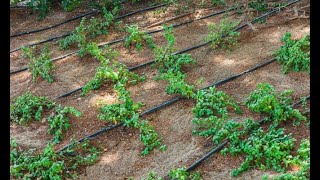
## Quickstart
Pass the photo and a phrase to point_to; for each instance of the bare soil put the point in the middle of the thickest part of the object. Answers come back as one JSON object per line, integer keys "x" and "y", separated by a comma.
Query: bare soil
{"x": 121, "y": 147}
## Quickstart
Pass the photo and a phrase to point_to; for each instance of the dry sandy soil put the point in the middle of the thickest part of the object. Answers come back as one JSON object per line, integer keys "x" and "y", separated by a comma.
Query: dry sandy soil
{"x": 121, "y": 147}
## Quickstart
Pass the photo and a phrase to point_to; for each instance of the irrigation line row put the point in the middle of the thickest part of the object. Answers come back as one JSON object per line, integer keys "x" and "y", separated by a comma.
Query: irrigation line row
{"x": 64, "y": 35}
{"x": 54, "y": 25}
{"x": 185, "y": 50}
{"x": 169, "y": 102}
{"x": 121, "y": 39}
{"x": 219, "y": 147}
{"x": 58, "y": 24}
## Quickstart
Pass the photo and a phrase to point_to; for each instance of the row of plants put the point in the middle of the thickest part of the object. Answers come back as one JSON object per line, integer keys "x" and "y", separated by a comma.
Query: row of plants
{"x": 29, "y": 107}
{"x": 49, "y": 164}
{"x": 263, "y": 148}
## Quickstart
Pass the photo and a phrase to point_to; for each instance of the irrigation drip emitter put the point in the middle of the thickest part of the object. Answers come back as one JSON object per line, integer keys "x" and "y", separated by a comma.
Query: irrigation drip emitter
{"x": 121, "y": 39}
{"x": 182, "y": 51}
{"x": 219, "y": 147}
{"x": 64, "y": 35}
{"x": 54, "y": 25}
{"x": 167, "y": 103}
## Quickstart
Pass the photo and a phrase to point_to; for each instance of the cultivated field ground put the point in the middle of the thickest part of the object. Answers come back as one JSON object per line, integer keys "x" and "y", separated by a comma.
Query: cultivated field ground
{"x": 120, "y": 149}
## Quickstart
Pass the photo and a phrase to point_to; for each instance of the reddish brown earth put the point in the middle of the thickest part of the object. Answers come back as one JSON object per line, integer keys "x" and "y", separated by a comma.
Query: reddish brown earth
{"x": 121, "y": 156}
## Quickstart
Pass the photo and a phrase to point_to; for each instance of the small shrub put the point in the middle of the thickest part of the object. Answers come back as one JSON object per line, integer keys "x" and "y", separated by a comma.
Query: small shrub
{"x": 223, "y": 35}
{"x": 137, "y": 37}
{"x": 59, "y": 121}
{"x": 294, "y": 55}
{"x": 27, "y": 106}
{"x": 39, "y": 66}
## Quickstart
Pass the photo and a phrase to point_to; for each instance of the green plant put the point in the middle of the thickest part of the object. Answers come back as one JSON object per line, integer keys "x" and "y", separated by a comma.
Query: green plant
{"x": 48, "y": 164}
{"x": 28, "y": 106}
{"x": 183, "y": 174}
{"x": 301, "y": 161}
{"x": 137, "y": 37}
{"x": 258, "y": 5}
{"x": 223, "y": 35}
{"x": 59, "y": 121}
{"x": 294, "y": 55}
{"x": 218, "y": 2}
{"x": 70, "y": 5}
{"x": 127, "y": 112}
{"x": 169, "y": 66}
{"x": 263, "y": 150}
{"x": 39, "y": 66}
{"x": 211, "y": 111}
{"x": 277, "y": 106}
{"x": 42, "y": 6}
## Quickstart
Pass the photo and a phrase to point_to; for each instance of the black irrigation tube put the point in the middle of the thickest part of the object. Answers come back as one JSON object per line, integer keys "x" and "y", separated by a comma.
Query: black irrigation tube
{"x": 185, "y": 50}
{"x": 121, "y": 39}
{"x": 219, "y": 147}
{"x": 54, "y": 25}
{"x": 61, "y": 36}
{"x": 167, "y": 103}
{"x": 176, "y": 99}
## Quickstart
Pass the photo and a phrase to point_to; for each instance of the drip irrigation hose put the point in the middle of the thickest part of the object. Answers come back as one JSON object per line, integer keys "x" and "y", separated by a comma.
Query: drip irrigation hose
{"x": 162, "y": 105}
{"x": 59, "y": 24}
{"x": 55, "y": 25}
{"x": 57, "y": 37}
{"x": 191, "y": 48}
{"x": 219, "y": 147}
{"x": 121, "y": 39}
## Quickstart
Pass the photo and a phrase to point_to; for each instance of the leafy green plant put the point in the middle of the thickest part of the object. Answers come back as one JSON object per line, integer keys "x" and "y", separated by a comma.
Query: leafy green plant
{"x": 183, "y": 174}
{"x": 70, "y": 5}
{"x": 223, "y": 35}
{"x": 263, "y": 150}
{"x": 277, "y": 106}
{"x": 59, "y": 121}
{"x": 294, "y": 55}
{"x": 218, "y": 2}
{"x": 127, "y": 112}
{"x": 48, "y": 164}
{"x": 301, "y": 161}
{"x": 211, "y": 111}
{"x": 42, "y": 6}
{"x": 137, "y": 37}
{"x": 27, "y": 106}
{"x": 169, "y": 66}
{"x": 39, "y": 66}
{"x": 258, "y": 5}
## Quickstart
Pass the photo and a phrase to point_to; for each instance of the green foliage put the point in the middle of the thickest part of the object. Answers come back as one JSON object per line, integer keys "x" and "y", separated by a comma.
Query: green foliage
{"x": 169, "y": 66}
{"x": 127, "y": 112}
{"x": 223, "y": 35}
{"x": 105, "y": 4}
{"x": 258, "y": 5}
{"x": 14, "y": 2}
{"x": 182, "y": 174}
{"x": 263, "y": 150}
{"x": 70, "y": 5}
{"x": 152, "y": 176}
{"x": 48, "y": 164}
{"x": 294, "y": 55}
{"x": 277, "y": 106}
{"x": 59, "y": 121}
{"x": 107, "y": 73}
{"x": 302, "y": 161}
{"x": 211, "y": 111}
{"x": 39, "y": 66}
{"x": 42, "y": 6}
{"x": 137, "y": 37}
{"x": 218, "y": 2}
{"x": 96, "y": 26}
{"x": 28, "y": 106}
